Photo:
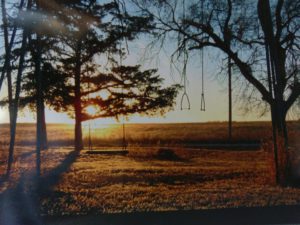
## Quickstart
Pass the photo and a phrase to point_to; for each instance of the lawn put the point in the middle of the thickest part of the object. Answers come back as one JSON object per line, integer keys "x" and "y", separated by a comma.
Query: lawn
{"x": 160, "y": 173}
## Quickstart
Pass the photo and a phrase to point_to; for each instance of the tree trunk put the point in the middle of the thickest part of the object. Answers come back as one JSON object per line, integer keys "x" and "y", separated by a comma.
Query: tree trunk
{"x": 10, "y": 94}
{"x": 7, "y": 69}
{"x": 276, "y": 73}
{"x": 283, "y": 161}
{"x": 229, "y": 101}
{"x": 44, "y": 128}
{"x": 39, "y": 107}
{"x": 16, "y": 104}
{"x": 77, "y": 102}
{"x": 280, "y": 135}
{"x": 281, "y": 156}
{"x": 7, "y": 62}
{"x": 78, "y": 133}
{"x": 13, "y": 103}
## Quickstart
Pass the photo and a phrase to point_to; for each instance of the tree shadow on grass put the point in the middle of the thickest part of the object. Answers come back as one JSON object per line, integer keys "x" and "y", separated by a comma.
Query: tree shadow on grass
{"x": 52, "y": 178}
{"x": 20, "y": 205}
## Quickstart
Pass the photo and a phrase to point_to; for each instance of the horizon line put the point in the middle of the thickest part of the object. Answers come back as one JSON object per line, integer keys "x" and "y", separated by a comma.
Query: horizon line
{"x": 217, "y": 121}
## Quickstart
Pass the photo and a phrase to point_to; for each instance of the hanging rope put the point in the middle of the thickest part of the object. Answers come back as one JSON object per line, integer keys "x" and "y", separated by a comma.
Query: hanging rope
{"x": 184, "y": 96}
{"x": 121, "y": 4}
{"x": 90, "y": 133}
{"x": 202, "y": 103}
{"x": 124, "y": 142}
{"x": 90, "y": 138}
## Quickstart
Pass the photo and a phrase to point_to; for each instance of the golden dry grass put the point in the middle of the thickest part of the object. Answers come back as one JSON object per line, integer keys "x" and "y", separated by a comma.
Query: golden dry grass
{"x": 149, "y": 134}
{"x": 145, "y": 181}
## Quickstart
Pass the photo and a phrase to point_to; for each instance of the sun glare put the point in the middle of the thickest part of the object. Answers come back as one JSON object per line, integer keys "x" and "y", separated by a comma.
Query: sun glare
{"x": 2, "y": 116}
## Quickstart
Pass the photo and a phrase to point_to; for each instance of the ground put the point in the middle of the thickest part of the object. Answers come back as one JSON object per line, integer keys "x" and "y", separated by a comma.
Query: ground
{"x": 199, "y": 179}
{"x": 161, "y": 172}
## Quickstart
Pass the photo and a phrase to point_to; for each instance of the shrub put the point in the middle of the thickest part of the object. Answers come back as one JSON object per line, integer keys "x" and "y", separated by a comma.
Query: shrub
{"x": 167, "y": 154}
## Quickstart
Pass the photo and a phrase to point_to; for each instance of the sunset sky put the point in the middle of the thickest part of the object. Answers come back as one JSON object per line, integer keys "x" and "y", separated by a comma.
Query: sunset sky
{"x": 215, "y": 91}
{"x": 215, "y": 88}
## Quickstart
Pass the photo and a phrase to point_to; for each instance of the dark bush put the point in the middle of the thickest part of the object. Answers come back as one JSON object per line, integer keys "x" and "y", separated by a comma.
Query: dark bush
{"x": 167, "y": 154}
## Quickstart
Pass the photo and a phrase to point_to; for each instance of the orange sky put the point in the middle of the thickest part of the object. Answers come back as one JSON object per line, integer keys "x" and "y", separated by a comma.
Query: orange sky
{"x": 215, "y": 93}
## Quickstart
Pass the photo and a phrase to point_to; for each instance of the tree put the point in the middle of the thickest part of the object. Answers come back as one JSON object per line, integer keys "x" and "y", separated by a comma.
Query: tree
{"x": 62, "y": 65}
{"x": 92, "y": 29}
{"x": 240, "y": 23}
{"x": 7, "y": 69}
{"x": 126, "y": 90}
{"x": 36, "y": 30}
{"x": 52, "y": 82}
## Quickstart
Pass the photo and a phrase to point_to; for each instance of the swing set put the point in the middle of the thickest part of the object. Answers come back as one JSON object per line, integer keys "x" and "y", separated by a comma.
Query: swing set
{"x": 91, "y": 150}
{"x": 185, "y": 103}
{"x": 124, "y": 143}
{"x": 122, "y": 151}
{"x": 185, "y": 98}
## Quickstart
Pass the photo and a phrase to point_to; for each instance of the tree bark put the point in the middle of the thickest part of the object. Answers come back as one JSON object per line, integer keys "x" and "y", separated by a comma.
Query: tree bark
{"x": 7, "y": 65}
{"x": 13, "y": 103}
{"x": 39, "y": 107}
{"x": 229, "y": 101}
{"x": 283, "y": 160}
{"x": 276, "y": 75}
{"x": 77, "y": 102}
{"x": 7, "y": 69}
{"x": 44, "y": 128}
{"x": 16, "y": 104}
{"x": 17, "y": 93}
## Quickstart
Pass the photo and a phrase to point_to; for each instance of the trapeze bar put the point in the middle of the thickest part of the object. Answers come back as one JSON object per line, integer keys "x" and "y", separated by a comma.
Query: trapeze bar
{"x": 202, "y": 106}
{"x": 185, "y": 96}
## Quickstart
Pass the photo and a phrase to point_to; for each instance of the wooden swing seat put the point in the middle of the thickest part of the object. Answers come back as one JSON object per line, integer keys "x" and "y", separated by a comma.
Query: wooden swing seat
{"x": 107, "y": 152}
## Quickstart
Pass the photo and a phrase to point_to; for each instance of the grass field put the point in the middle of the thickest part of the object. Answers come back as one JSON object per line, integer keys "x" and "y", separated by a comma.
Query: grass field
{"x": 159, "y": 174}
{"x": 149, "y": 134}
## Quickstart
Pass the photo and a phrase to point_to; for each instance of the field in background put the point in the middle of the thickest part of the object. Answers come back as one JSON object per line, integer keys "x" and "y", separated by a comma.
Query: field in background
{"x": 150, "y": 134}
{"x": 158, "y": 174}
